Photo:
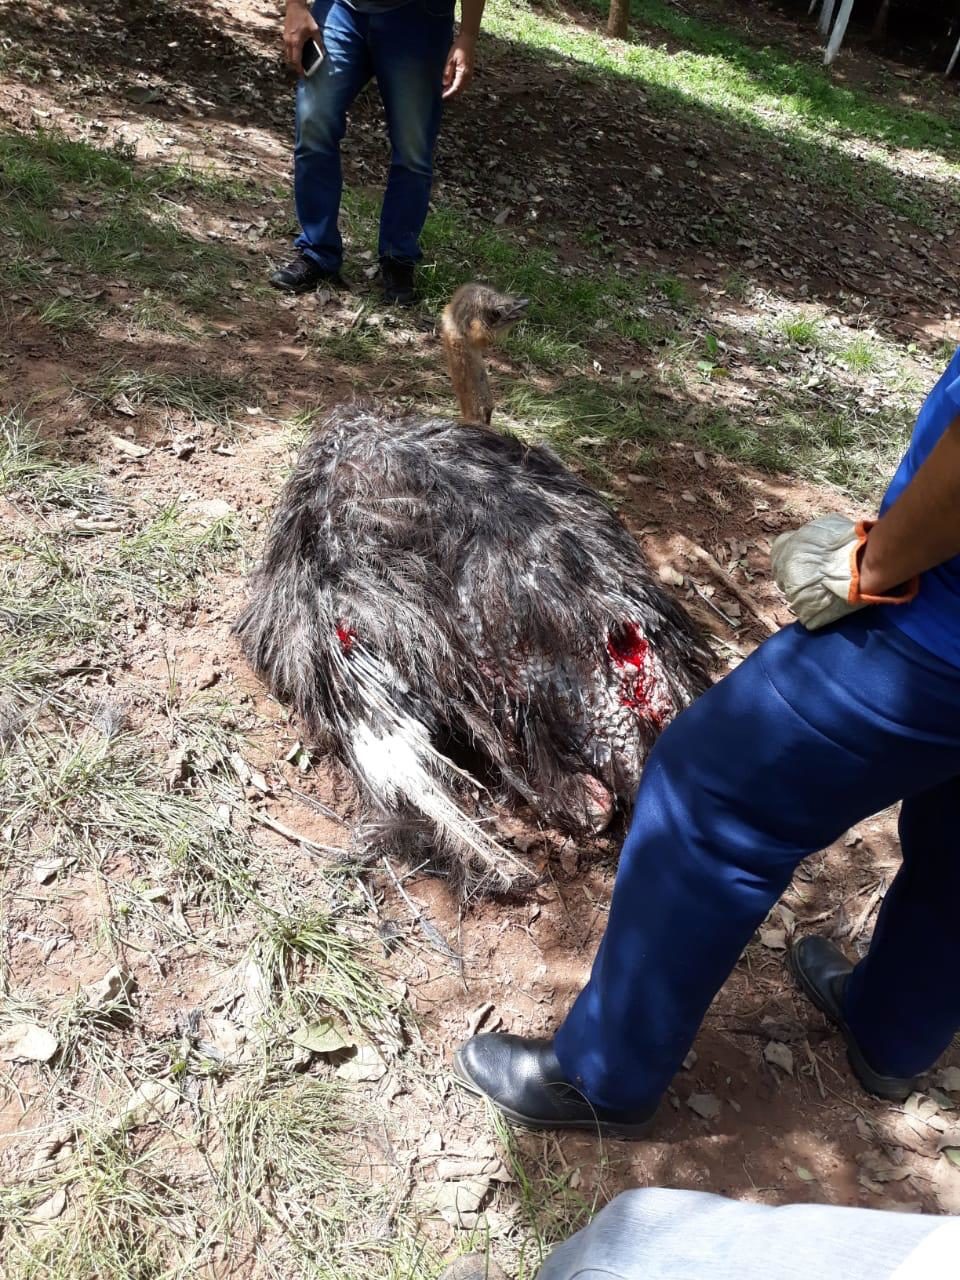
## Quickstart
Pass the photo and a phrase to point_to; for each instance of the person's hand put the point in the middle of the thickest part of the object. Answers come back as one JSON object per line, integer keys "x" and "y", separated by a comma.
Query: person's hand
{"x": 458, "y": 72}
{"x": 298, "y": 27}
{"x": 818, "y": 569}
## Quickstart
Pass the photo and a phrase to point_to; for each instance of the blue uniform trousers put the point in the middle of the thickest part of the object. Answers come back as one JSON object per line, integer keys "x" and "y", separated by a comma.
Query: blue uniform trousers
{"x": 812, "y": 733}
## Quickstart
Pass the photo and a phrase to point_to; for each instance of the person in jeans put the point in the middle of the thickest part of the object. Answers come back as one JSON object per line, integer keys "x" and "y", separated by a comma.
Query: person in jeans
{"x": 653, "y": 1233}
{"x": 827, "y": 722}
{"x": 408, "y": 46}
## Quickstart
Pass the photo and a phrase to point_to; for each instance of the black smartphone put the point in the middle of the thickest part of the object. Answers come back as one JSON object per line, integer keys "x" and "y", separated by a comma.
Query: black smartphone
{"x": 311, "y": 57}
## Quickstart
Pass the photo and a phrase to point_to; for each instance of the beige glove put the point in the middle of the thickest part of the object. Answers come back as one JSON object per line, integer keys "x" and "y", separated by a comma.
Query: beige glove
{"x": 818, "y": 569}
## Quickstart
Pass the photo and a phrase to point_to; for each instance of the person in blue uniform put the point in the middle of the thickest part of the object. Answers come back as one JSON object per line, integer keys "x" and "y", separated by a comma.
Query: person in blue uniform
{"x": 409, "y": 48}
{"x": 851, "y": 709}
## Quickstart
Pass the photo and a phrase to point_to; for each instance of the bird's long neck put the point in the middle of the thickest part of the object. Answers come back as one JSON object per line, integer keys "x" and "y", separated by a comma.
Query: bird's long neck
{"x": 467, "y": 373}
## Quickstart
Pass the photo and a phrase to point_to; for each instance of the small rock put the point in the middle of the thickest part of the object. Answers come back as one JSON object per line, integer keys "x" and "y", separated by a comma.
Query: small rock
{"x": 779, "y": 1055}
{"x": 207, "y": 676}
{"x": 27, "y": 1042}
{"x": 775, "y": 939}
{"x": 949, "y": 1079}
{"x": 690, "y": 1061}
{"x": 705, "y": 1105}
{"x": 50, "y": 1208}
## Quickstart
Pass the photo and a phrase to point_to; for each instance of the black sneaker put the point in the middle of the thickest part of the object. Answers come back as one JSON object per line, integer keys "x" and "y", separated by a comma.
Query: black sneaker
{"x": 303, "y": 274}
{"x": 822, "y": 972}
{"x": 396, "y": 280}
{"x": 523, "y": 1079}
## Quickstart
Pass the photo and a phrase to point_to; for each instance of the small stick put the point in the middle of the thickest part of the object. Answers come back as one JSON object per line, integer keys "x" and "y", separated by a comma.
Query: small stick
{"x": 856, "y": 928}
{"x": 734, "y": 587}
{"x": 295, "y": 837}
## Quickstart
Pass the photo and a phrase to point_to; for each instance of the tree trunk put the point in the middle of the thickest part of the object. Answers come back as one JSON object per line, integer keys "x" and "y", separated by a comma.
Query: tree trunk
{"x": 619, "y": 17}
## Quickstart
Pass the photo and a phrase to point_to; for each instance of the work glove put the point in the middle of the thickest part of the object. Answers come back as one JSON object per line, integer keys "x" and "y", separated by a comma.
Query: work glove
{"x": 818, "y": 569}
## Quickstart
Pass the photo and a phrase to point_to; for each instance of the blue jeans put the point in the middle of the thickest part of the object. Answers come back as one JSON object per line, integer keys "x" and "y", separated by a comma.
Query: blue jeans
{"x": 406, "y": 50}
{"x": 814, "y": 732}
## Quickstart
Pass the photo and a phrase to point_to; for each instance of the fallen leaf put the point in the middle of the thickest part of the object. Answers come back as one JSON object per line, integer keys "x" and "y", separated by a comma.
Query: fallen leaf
{"x": 804, "y": 1174}
{"x": 779, "y": 1055}
{"x": 432, "y": 1144}
{"x": 478, "y": 1018}
{"x": 324, "y": 1036}
{"x": 48, "y": 869}
{"x": 365, "y": 1065}
{"x": 668, "y": 574}
{"x": 27, "y": 1042}
{"x": 690, "y": 1061}
{"x": 112, "y": 992}
{"x": 458, "y": 1203}
{"x": 705, "y": 1105}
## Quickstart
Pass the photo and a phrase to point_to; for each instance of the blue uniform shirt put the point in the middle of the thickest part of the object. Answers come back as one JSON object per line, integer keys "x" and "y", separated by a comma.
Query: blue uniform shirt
{"x": 933, "y": 618}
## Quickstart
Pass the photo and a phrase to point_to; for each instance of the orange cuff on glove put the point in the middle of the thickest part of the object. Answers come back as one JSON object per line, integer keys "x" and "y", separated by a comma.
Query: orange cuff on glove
{"x": 904, "y": 593}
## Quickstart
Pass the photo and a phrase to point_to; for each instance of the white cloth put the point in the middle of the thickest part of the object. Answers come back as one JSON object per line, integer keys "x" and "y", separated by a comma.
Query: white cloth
{"x": 659, "y": 1234}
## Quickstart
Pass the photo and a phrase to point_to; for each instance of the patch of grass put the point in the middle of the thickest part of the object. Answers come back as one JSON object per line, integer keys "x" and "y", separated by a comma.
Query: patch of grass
{"x": 860, "y": 355}
{"x": 32, "y": 474}
{"x": 723, "y": 57}
{"x": 205, "y": 397}
{"x": 854, "y": 451}
{"x": 802, "y": 331}
{"x": 309, "y": 952}
{"x": 166, "y": 556}
{"x": 357, "y": 345}
{"x": 152, "y": 312}
{"x": 128, "y": 1219}
{"x": 550, "y": 1210}
{"x": 124, "y": 228}
{"x": 809, "y": 124}
{"x": 70, "y": 315}
{"x": 293, "y": 1168}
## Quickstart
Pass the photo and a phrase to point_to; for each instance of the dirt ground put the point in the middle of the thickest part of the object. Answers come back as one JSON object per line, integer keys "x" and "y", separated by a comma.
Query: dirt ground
{"x": 776, "y": 1126}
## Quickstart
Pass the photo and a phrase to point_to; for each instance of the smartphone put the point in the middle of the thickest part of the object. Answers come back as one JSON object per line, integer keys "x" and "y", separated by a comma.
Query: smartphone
{"x": 311, "y": 57}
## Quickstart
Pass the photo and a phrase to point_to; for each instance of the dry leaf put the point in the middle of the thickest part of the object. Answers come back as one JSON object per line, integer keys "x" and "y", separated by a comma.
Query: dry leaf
{"x": 668, "y": 574}
{"x": 152, "y": 1101}
{"x": 324, "y": 1036}
{"x": 48, "y": 869}
{"x": 112, "y": 992}
{"x": 366, "y": 1064}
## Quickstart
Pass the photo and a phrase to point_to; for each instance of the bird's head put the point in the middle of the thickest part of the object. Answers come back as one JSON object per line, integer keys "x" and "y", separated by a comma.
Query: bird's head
{"x": 480, "y": 314}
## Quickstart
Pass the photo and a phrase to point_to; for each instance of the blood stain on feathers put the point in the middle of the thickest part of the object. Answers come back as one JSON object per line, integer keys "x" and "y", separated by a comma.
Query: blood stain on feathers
{"x": 466, "y": 620}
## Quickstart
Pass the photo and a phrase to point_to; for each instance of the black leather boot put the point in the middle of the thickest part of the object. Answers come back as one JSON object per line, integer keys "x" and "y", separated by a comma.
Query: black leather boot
{"x": 302, "y": 274}
{"x": 822, "y": 971}
{"x": 523, "y": 1078}
{"x": 397, "y": 281}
